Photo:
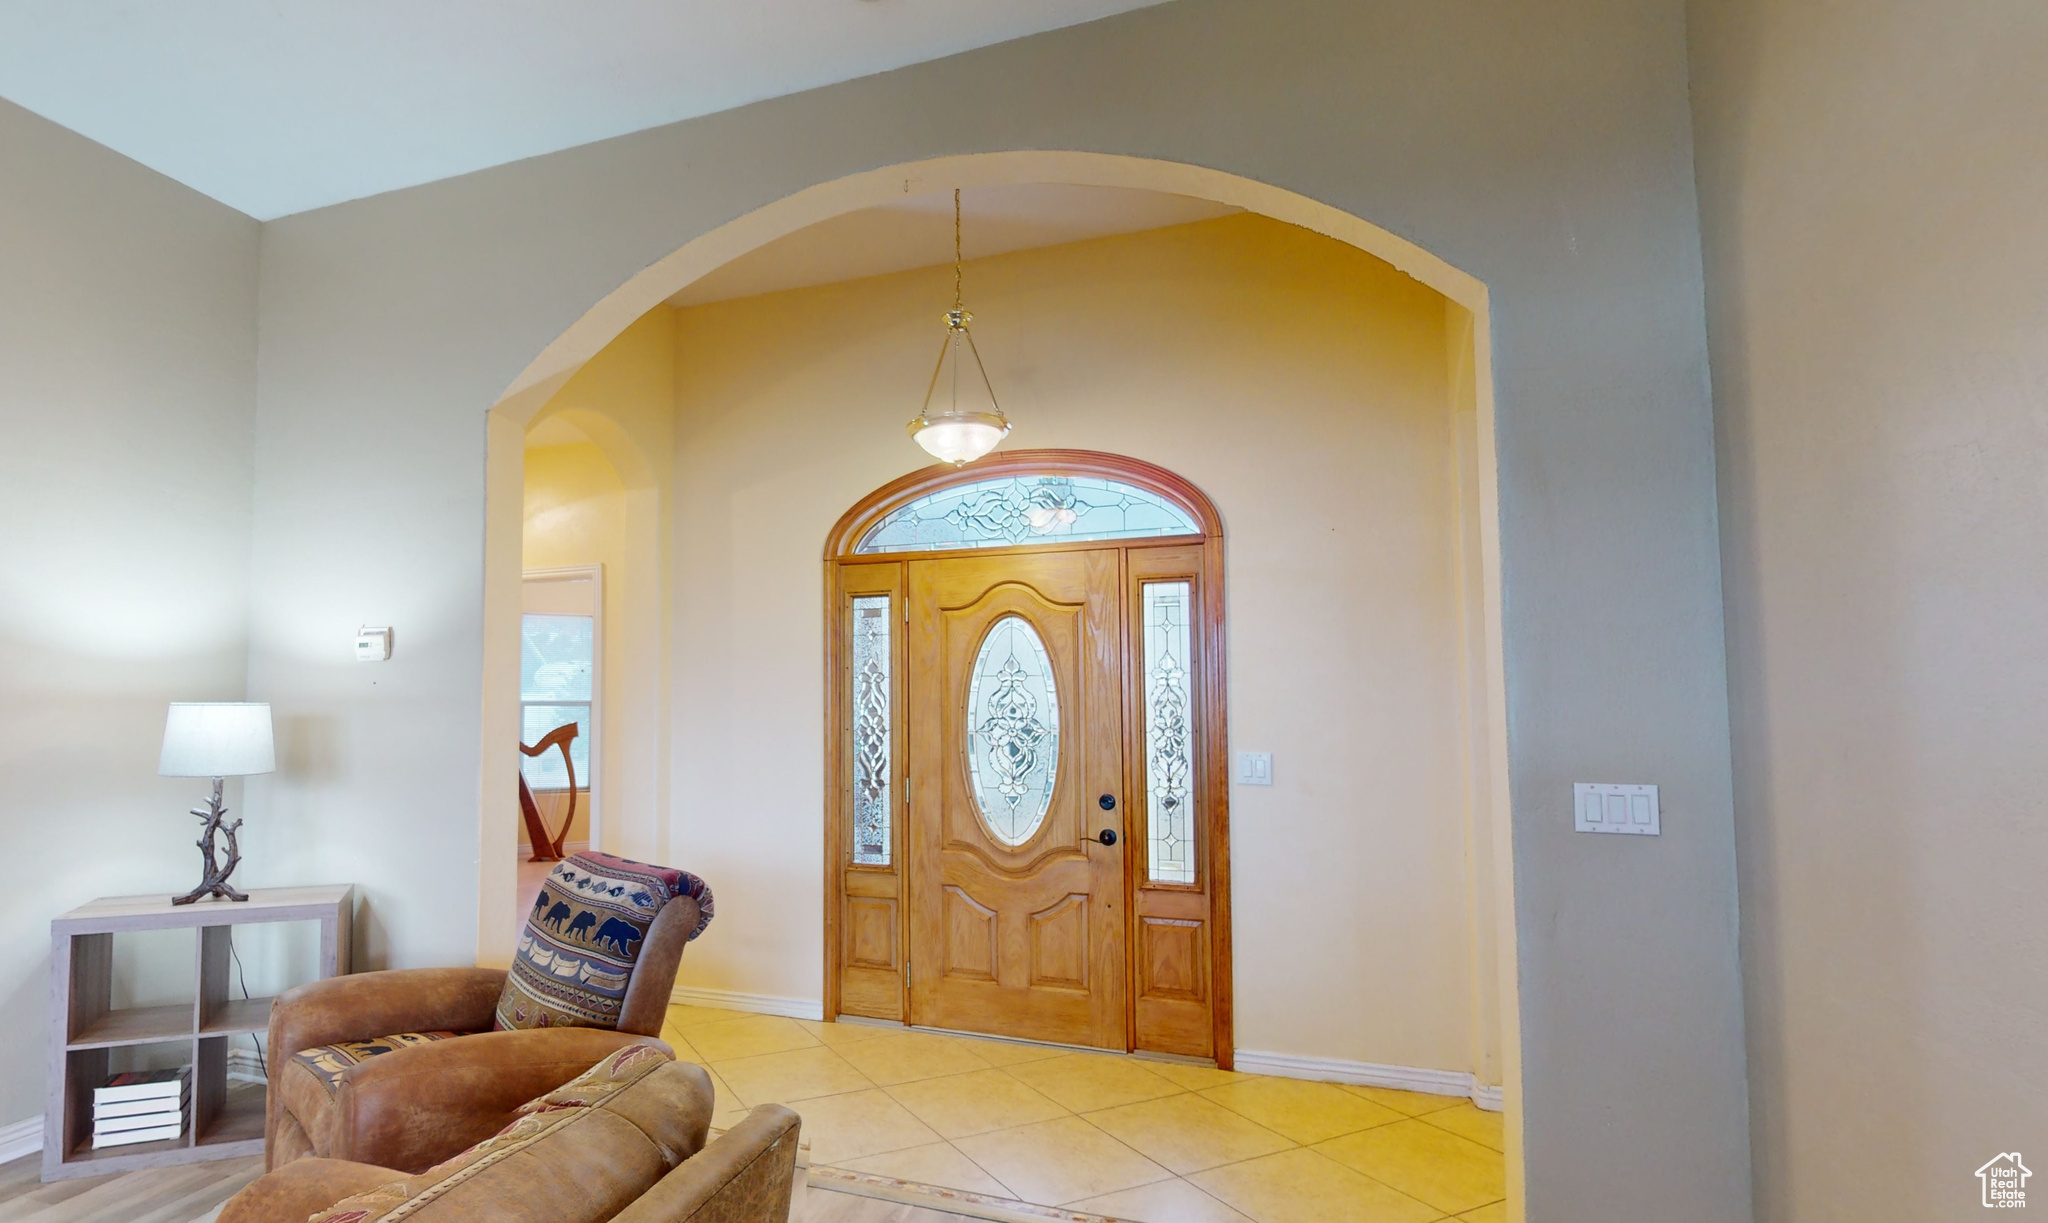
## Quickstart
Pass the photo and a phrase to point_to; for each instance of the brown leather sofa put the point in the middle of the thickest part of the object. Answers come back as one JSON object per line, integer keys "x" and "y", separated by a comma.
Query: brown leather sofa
{"x": 631, "y": 1152}
{"x": 414, "y": 1106}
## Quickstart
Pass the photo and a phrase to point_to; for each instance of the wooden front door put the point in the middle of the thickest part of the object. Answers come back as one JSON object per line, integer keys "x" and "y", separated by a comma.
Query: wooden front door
{"x": 1015, "y": 714}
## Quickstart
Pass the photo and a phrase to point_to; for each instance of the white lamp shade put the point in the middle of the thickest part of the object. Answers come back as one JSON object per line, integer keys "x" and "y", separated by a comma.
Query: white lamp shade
{"x": 217, "y": 739}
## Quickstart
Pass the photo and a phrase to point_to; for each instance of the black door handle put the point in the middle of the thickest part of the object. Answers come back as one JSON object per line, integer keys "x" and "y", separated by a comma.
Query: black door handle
{"x": 1107, "y": 802}
{"x": 1107, "y": 836}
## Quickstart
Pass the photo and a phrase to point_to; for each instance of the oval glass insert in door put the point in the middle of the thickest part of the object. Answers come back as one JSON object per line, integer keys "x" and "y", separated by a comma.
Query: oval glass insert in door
{"x": 1013, "y": 739}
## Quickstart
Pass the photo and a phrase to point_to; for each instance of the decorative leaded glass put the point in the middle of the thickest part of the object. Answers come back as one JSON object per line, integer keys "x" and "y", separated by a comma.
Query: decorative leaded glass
{"x": 1010, "y": 510}
{"x": 1169, "y": 723}
{"x": 871, "y": 730}
{"x": 1013, "y": 739}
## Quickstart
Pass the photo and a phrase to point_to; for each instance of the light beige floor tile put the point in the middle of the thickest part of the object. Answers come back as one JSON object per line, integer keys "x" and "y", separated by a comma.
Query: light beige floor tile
{"x": 940, "y": 1163}
{"x": 912, "y": 1055}
{"x": 1468, "y": 1120}
{"x": 724, "y": 1096}
{"x": 727, "y": 1109}
{"x": 859, "y": 1124}
{"x": 1012, "y": 1053}
{"x": 796, "y": 1074}
{"x": 1085, "y": 1082}
{"x": 1496, "y": 1213}
{"x": 1306, "y": 1112}
{"x": 1406, "y": 1103}
{"x": 974, "y": 1103}
{"x": 1060, "y": 1161}
{"x": 687, "y": 1017}
{"x": 837, "y": 1034}
{"x": 685, "y": 1051}
{"x": 1300, "y": 1186}
{"x": 747, "y": 1036}
{"x": 727, "y": 1116}
{"x": 1173, "y": 1201}
{"x": 1195, "y": 1078}
{"x": 1431, "y": 1165}
{"x": 1187, "y": 1133}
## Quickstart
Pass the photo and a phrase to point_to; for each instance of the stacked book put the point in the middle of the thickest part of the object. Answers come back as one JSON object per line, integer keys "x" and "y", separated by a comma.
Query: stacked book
{"x": 140, "y": 1106}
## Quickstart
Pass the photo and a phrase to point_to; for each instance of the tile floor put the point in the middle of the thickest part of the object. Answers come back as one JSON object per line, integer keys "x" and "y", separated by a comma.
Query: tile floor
{"x": 1101, "y": 1133}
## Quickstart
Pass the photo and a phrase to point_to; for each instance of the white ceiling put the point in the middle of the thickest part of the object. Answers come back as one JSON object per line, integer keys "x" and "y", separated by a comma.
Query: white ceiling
{"x": 277, "y": 106}
{"x": 918, "y": 232}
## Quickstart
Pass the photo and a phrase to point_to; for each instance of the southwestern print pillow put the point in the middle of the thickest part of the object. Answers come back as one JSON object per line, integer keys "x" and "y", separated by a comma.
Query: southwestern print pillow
{"x": 583, "y": 938}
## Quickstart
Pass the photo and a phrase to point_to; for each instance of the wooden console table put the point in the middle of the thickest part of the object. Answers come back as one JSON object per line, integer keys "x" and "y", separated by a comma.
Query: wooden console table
{"x": 84, "y": 1027}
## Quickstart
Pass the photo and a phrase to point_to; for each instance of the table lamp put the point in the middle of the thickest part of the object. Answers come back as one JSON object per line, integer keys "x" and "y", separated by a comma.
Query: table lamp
{"x": 217, "y": 739}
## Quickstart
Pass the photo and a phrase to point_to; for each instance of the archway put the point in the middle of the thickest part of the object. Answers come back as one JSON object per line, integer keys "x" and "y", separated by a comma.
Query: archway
{"x": 1466, "y": 303}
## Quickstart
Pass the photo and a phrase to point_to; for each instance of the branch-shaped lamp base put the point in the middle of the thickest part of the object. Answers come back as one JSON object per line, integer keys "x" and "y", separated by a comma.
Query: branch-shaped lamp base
{"x": 215, "y": 881}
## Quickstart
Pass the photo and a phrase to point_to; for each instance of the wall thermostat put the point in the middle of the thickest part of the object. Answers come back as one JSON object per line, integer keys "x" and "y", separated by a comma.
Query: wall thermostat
{"x": 373, "y": 644}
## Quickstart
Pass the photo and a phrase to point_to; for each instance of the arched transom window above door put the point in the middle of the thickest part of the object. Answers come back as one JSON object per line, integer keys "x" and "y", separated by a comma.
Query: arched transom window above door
{"x": 1025, "y": 499}
{"x": 1026, "y": 508}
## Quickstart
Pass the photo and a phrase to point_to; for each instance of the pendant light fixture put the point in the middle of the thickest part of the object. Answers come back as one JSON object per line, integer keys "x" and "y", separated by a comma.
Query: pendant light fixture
{"x": 959, "y": 435}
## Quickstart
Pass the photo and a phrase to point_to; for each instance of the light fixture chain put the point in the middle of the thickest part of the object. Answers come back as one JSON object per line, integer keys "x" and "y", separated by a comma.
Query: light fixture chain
{"x": 958, "y": 301}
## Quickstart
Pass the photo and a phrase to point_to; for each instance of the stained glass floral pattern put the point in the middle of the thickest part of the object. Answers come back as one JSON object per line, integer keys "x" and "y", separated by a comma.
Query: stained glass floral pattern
{"x": 1169, "y": 720}
{"x": 1013, "y": 741}
{"x": 871, "y": 765}
{"x": 1010, "y": 510}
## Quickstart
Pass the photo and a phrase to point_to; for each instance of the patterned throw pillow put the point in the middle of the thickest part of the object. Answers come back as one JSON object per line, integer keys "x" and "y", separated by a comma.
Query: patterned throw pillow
{"x": 533, "y": 1122}
{"x": 583, "y": 938}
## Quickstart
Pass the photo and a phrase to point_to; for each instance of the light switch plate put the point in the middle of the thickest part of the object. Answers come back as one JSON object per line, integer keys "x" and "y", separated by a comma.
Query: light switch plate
{"x": 1606, "y": 807}
{"x": 1255, "y": 768}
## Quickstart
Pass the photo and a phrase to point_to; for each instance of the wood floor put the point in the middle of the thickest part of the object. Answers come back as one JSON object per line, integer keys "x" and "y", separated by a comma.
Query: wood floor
{"x": 193, "y": 1193}
{"x": 160, "y": 1195}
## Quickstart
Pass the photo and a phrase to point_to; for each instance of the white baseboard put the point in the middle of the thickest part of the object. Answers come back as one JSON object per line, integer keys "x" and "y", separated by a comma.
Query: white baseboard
{"x": 1492, "y": 1099}
{"x": 758, "y": 1004}
{"x": 1370, "y": 1074}
{"x": 21, "y": 1138}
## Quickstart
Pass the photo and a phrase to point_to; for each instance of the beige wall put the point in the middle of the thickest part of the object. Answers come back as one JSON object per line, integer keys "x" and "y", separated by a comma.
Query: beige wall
{"x": 1297, "y": 381}
{"x": 575, "y": 508}
{"x": 1876, "y": 212}
{"x": 1545, "y": 150}
{"x": 575, "y": 515}
{"x": 127, "y": 391}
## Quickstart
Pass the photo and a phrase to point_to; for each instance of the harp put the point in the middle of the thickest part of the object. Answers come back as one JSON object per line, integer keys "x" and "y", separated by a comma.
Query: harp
{"x": 548, "y": 847}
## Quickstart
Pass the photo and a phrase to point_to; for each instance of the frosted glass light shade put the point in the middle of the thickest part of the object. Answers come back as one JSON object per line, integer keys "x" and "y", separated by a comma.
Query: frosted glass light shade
{"x": 217, "y": 739}
{"x": 959, "y": 437}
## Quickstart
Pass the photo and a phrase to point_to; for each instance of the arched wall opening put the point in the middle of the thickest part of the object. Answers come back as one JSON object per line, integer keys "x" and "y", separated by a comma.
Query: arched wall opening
{"x": 1488, "y": 903}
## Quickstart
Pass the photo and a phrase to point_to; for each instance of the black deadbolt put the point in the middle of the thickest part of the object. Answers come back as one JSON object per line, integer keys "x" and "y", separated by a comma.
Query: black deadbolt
{"x": 1107, "y": 836}
{"x": 1107, "y": 802}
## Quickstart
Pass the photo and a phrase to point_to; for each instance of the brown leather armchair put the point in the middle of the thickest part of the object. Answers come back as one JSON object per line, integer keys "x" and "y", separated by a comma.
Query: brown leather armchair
{"x": 415, "y": 1105}
{"x": 637, "y": 1155}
